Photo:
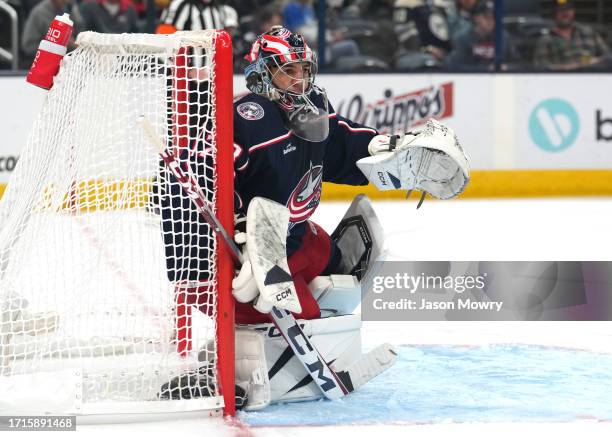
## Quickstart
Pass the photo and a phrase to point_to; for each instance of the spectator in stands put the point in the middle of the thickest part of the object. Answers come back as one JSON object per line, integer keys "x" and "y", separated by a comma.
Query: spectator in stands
{"x": 246, "y": 8}
{"x": 475, "y": 48}
{"x": 569, "y": 45}
{"x": 430, "y": 20}
{"x": 38, "y": 22}
{"x": 297, "y": 14}
{"x": 109, "y": 16}
{"x": 378, "y": 39}
{"x": 266, "y": 18}
{"x": 299, "y": 17}
{"x": 262, "y": 21}
{"x": 461, "y": 21}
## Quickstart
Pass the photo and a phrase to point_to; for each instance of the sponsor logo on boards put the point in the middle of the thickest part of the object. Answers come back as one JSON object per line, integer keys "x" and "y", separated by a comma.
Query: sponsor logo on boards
{"x": 554, "y": 125}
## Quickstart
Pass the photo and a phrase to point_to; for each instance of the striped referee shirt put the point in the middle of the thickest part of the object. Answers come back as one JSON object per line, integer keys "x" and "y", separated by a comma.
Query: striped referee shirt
{"x": 197, "y": 15}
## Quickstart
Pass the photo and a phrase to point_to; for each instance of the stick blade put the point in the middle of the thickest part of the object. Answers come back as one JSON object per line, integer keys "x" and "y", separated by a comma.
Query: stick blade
{"x": 368, "y": 366}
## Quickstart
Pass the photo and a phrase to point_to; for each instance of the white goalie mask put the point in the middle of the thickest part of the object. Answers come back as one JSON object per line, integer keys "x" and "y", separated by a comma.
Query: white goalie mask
{"x": 283, "y": 69}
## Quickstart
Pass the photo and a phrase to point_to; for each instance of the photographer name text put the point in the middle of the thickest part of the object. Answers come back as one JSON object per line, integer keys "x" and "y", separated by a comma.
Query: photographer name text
{"x": 428, "y": 305}
{"x": 430, "y": 284}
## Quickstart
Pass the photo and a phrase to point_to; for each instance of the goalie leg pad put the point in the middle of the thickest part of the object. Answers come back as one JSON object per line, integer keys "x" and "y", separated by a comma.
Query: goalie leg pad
{"x": 251, "y": 369}
{"x": 336, "y": 294}
{"x": 335, "y": 337}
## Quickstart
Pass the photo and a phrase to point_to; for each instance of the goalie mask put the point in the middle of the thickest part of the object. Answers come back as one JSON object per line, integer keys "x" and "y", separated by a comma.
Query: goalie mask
{"x": 283, "y": 69}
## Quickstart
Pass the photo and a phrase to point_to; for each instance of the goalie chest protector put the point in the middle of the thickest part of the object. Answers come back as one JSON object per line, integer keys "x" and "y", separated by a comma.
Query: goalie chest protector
{"x": 273, "y": 163}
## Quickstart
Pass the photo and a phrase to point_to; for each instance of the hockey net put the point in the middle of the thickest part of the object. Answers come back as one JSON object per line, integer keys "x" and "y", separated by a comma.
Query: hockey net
{"x": 114, "y": 293}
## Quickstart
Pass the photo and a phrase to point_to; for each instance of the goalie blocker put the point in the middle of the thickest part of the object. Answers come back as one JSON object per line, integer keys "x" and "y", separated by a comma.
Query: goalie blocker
{"x": 267, "y": 368}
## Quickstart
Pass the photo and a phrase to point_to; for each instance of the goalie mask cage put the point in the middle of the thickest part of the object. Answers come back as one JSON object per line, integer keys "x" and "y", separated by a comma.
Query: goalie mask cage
{"x": 114, "y": 294}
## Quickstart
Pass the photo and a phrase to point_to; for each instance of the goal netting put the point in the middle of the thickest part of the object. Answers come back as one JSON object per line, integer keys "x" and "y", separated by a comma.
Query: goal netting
{"x": 114, "y": 293}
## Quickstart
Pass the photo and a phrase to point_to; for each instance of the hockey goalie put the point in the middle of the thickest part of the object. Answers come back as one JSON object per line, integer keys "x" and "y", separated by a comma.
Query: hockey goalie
{"x": 287, "y": 141}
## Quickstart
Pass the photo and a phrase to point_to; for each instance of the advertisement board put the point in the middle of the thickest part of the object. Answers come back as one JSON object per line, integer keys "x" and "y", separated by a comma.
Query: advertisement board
{"x": 506, "y": 122}
{"x": 561, "y": 124}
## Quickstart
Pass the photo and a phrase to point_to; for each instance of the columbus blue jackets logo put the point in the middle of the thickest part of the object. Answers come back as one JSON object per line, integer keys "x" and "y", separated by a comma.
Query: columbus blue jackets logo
{"x": 306, "y": 196}
{"x": 250, "y": 111}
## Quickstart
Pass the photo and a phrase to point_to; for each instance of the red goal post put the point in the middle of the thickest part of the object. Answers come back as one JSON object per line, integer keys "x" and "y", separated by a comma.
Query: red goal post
{"x": 225, "y": 210}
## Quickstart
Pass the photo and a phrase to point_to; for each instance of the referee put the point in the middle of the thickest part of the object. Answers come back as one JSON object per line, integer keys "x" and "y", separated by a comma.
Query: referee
{"x": 197, "y": 15}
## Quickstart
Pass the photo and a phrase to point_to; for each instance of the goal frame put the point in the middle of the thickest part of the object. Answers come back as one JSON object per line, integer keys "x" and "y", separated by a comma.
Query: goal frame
{"x": 71, "y": 192}
{"x": 224, "y": 80}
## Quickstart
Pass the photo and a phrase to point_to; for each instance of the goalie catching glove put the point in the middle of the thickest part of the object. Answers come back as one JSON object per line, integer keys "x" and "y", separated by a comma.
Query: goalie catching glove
{"x": 430, "y": 160}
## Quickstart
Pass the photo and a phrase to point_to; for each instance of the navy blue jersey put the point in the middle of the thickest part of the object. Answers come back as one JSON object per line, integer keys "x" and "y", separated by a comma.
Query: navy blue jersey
{"x": 271, "y": 162}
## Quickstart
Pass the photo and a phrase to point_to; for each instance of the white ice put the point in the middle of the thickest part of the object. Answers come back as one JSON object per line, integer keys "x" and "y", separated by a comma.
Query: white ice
{"x": 560, "y": 229}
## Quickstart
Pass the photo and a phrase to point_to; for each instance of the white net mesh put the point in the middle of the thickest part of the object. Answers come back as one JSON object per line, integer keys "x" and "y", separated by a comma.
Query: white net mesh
{"x": 103, "y": 261}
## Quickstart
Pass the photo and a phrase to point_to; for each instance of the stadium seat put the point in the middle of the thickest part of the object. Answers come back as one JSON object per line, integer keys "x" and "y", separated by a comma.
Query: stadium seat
{"x": 521, "y": 7}
{"x": 414, "y": 61}
{"x": 360, "y": 63}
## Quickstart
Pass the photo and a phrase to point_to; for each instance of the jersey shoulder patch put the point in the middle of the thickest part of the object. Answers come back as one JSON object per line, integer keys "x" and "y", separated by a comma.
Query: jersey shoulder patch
{"x": 250, "y": 111}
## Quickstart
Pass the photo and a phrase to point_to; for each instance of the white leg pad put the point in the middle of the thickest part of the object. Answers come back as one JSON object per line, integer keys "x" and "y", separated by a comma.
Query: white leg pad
{"x": 251, "y": 369}
{"x": 336, "y": 338}
{"x": 336, "y": 294}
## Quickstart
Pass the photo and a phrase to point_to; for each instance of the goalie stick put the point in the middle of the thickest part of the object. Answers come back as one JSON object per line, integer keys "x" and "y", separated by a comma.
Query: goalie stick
{"x": 367, "y": 366}
{"x": 328, "y": 381}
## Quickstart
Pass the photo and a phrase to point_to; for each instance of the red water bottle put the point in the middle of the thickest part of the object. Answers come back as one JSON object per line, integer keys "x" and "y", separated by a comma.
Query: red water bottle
{"x": 50, "y": 52}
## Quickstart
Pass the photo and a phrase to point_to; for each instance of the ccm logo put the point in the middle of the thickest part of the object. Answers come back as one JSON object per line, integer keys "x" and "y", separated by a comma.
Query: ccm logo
{"x": 283, "y": 295}
{"x": 272, "y": 332}
{"x": 382, "y": 178}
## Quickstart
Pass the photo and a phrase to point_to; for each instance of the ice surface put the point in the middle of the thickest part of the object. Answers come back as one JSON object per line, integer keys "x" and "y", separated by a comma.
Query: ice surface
{"x": 434, "y": 384}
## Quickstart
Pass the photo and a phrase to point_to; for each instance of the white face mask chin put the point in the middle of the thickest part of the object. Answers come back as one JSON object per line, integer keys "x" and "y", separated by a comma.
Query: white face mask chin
{"x": 308, "y": 121}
